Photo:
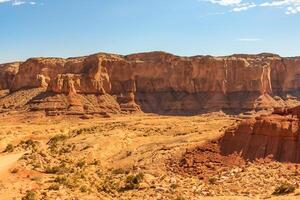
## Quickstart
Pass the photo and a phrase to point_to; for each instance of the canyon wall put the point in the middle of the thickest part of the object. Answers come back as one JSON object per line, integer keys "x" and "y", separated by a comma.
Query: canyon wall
{"x": 160, "y": 82}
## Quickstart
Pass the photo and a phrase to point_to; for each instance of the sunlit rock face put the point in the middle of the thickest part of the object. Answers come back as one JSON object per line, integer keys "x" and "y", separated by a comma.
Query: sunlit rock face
{"x": 276, "y": 136}
{"x": 7, "y": 73}
{"x": 164, "y": 83}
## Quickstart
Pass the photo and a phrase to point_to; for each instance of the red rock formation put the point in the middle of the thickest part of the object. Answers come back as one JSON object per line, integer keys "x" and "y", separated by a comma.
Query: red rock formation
{"x": 164, "y": 83}
{"x": 276, "y": 135}
{"x": 7, "y": 74}
{"x": 86, "y": 74}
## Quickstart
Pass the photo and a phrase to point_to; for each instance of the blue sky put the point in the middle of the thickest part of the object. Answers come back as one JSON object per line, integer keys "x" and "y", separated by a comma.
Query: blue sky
{"x": 64, "y": 28}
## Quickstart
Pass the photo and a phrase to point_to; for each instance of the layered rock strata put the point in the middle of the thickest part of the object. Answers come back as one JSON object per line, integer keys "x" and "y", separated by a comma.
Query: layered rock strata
{"x": 160, "y": 82}
{"x": 276, "y": 136}
{"x": 7, "y": 73}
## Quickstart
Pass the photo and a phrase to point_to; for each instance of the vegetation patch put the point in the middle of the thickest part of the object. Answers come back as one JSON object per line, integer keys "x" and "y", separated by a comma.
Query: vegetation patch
{"x": 132, "y": 182}
{"x": 31, "y": 195}
{"x": 285, "y": 188}
{"x": 29, "y": 145}
{"x": 56, "y": 139}
{"x": 9, "y": 148}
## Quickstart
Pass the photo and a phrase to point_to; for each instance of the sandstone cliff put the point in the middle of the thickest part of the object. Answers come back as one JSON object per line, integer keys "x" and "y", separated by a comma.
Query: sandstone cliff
{"x": 159, "y": 82}
{"x": 7, "y": 73}
{"x": 276, "y": 136}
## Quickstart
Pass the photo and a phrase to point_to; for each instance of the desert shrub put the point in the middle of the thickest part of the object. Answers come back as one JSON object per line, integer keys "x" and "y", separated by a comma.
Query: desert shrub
{"x": 53, "y": 143}
{"x": 60, "y": 169}
{"x": 70, "y": 182}
{"x": 119, "y": 171}
{"x": 9, "y": 148}
{"x": 132, "y": 182}
{"x": 80, "y": 175}
{"x": 62, "y": 149}
{"x": 29, "y": 144}
{"x": 61, "y": 179}
{"x": 87, "y": 130}
{"x": 54, "y": 187}
{"x": 37, "y": 178}
{"x": 31, "y": 195}
{"x": 84, "y": 188}
{"x": 109, "y": 185}
{"x": 57, "y": 138}
{"x": 284, "y": 188}
{"x": 95, "y": 162}
{"x": 212, "y": 180}
{"x": 81, "y": 164}
{"x": 86, "y": 147}
{"x": 173, "y": 186}
{"x": 52, "y": 170}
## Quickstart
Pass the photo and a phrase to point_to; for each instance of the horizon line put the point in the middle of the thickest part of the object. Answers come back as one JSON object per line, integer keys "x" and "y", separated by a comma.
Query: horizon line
{"x": 148, "y": 52}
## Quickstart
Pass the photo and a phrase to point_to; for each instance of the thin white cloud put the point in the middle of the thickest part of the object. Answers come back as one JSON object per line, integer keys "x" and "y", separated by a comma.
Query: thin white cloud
{"x": 235, "y": 5}
{"x": 212, "y": 14}
{"x": 3, "y": 1}
{"x": 18, "y": 2}
{"x": 243, "y": 7}
{"x": 290, "y": 6}
{"x": 225, "y": 2}
{"x": 292, "y": 10}
{"x": 281, "y": 3}
{"x": 249, "y": 39}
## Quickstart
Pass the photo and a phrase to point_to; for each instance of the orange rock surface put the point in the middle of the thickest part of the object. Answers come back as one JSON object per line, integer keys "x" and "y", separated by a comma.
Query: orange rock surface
{"x": 164, "y": 83}
{"x": 7, "y": 74}
{"x": 276, "y": 135}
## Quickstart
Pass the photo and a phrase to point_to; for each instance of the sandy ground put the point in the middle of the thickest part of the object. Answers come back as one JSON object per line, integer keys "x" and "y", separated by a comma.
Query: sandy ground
{"x": 122, "y": 157}
{"x": 7, "y": 162}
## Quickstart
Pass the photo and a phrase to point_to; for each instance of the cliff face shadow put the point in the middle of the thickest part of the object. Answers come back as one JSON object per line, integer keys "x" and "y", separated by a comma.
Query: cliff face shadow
{"x": 186, "y": 104}
{"x": 169, "y": 103}
{"x": 43, "y": 95}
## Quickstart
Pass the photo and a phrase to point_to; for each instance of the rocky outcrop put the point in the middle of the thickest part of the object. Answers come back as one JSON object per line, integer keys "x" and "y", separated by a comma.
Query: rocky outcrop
{"x": 86, "y": 75}
{"x": 276, "y": 136}
{"x": 164, "y": 83}
{"x": 7, "y": 74}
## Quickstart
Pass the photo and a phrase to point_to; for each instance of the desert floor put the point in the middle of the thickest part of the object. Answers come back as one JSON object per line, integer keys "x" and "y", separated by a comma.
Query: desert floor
{"x": 124, "y": 157}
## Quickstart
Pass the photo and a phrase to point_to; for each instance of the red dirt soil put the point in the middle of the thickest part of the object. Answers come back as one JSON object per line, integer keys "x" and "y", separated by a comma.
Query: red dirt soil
{"x": 206, "y": 161}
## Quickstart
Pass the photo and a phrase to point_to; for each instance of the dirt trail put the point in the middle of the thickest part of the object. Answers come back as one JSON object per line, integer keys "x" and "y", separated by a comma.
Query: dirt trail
{"x": 7, "y": 161}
